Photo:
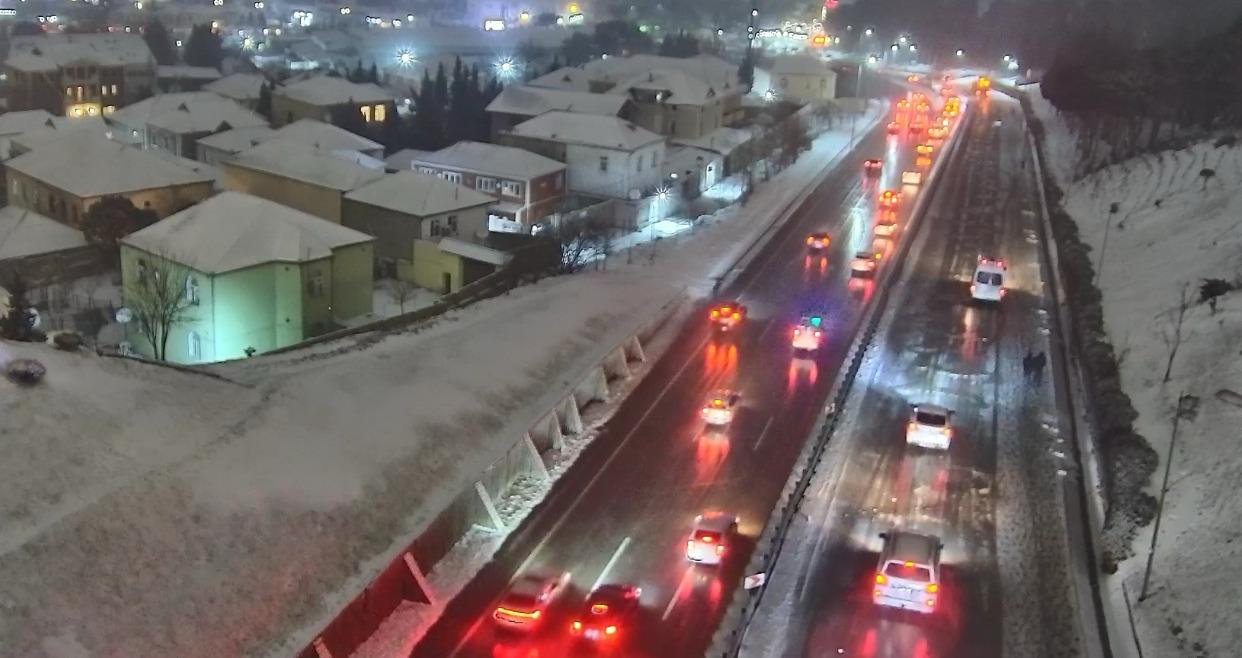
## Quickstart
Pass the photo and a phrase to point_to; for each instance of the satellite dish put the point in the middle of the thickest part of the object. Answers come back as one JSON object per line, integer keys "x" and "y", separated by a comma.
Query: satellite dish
{"x": 124, "y": 315}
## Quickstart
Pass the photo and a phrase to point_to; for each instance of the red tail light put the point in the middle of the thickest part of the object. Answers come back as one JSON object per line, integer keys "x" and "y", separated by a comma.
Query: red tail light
{"x": 576, "y": 626}
{"x": 610, "y": 630}
{"x": 972, "y": 288}
{"x": 932, "y": 588}
{"x": 737, "y": 315}
{"x": 809, "y": 239}
{"x": 715, "y": 313}
{"x": 931, "y": 602}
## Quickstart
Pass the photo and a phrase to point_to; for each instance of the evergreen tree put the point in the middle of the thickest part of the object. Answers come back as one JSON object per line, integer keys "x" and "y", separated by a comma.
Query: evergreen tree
{"x": 556, "y": 63}
{"x": 393, "y": 133}
{"x": 161, "y": 45}
{"x": 204, "y": 47}
{"x": 441, "y": 88}
{"x": 746, "y": 72}
{"x": 428, "y": 128}
{"x": 264, "y": 107}
{"x": 348, "y": 117}
{"x": 373, "y": 75}
{"x": 460, "y": 110}
{"x": 357, "y": 74}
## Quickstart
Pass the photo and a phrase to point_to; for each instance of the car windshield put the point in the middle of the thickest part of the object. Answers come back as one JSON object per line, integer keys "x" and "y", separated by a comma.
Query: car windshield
{"x": 929, "y": 418}
{"x": 989, "y": 278}
{"x": 915, "y": 572}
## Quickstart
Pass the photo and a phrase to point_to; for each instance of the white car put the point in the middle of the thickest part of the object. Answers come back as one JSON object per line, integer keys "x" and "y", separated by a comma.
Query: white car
{"x": 720, "y": 407}
{"x": 988, "y": 283}
{"x": 710, "y": 537}
{"x": 885, "y": 229}
{"x": 929, "y": 427}
{"x": 863, "y": 264}
{"x": 908, "y": 573}
{"x": 527, "y": 601}
{"x": 808, "y": 333}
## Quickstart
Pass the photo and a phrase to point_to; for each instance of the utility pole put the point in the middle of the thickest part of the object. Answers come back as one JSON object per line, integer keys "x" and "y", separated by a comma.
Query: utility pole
{"x": 751, "y": 33}
{"x": 1183, "y": 408}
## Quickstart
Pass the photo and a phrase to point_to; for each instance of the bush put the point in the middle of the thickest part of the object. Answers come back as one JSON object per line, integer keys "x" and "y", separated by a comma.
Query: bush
{"x": 67, "y": 341}
{"x": 26, "y": 372}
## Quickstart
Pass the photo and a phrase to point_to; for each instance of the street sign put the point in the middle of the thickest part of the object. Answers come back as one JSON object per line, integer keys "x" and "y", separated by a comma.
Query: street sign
{"x": 754, "y": 581}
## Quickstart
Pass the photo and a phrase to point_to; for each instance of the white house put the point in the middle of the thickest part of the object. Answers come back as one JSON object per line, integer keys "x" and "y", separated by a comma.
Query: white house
{"x": 802, "y": 79}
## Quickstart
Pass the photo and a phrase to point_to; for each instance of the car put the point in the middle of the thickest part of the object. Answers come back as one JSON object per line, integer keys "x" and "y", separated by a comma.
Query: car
{"x": 929, "y": 427}
{"x": 710, "y": 537}
{"x": 911, "y": 178}
{"x": 527, "y": 601}
{"x": 873, "y": 166}
{"x": 808, "y": 332}
{"x": 936, "y": 132}
{"x": 907, "y": 575}
{"x": 606, "y": 614}
{"x": 983, "y": 85}
{"x": 720, "y": 407}
{"x": 863, "y": 264}
{"x": 727, "y": 316}
{"x": 988, "y": 282}
{"x": 912, "y": 78}
{"x": 818, "y": 241}
{"x": 885, "y": 228}
{"x": 922, "y": 161}
{"x": 923, "y": 149}
{"x": 903, "y": 104}
{"x": 889, "y": 198}
{"x": 946, "y": 91}
{"x": 894, "y": 128}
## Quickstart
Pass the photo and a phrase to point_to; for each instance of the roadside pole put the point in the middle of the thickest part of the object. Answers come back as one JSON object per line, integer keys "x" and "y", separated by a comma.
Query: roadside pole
{"x": 1182, "y": 409}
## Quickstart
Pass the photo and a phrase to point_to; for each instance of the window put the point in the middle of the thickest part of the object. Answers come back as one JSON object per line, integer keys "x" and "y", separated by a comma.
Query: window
{"x": 69, "y": 91}
{"x": 451, "y": 229}
{"x": 485, "y": 184}
{"x": 653, "y": 160}
{"x": 511, "y": 188}
{"x": 433, "y": 228}
{"x": 381, "y": 112}
{"x": 191, "y": 290}
{"x": 195, "y": 345}
{"x": 427, "y": 170}
{"x": 80, "y": 90}
{"x": 314, "y": 285}
{"x": 366, "y": 113}
{"x": 143, "y": 272}
{"x": 103, "y": 90}
{"x": 114, "y": 90}
{"x": 603, "y": 163}
{"x": 452, "y": 177}
{"x": 640, "y": 163}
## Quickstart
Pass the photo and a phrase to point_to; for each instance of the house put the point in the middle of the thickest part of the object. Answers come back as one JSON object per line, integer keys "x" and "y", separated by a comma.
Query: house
{"x": 683, "y": 98}
{"x": 78, "y": 75}
{"x": 518, "y": 103}
{"x": 56, "y": 130}
{"x": 42, "y": 250}
{"x": 221, "y": 147}
{"x": 526, "y": 186}
{"x": 175, "y": 122}
{"x": 403, "y": 160}
{"x": 258, "y": 276}
{"x": 13, "y": 124}
{"x": 64, "y": 178}
{"x": 319, "y": 96}
{"x": 297, "y": 175}
{"x": 241, "y": 87}
{"x": 802, "y": 79}
{"x": 734, "y": 145}
{"x": 183, "y": 78}
{"x": 411, "y": 214}
{"x": 692, "y": 170}
{"x": 568, "y": 78}
{"x": 604, "y": 156}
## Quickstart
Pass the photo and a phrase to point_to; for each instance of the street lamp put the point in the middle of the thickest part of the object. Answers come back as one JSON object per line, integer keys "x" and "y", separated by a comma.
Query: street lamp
{"x": 506, "y": 68}
{"x": 405, "y": 58}
{"x": 869, "y": 31}
{"x": 894, "y": 47}
{"x": 769, "y": 96}
{"x": 914, "y": 48}
{"x": 754, "y": 12}
{"x": 902, "y": 39}
{"x": 1006, "y": 58}
{"x": 960, "y": 52}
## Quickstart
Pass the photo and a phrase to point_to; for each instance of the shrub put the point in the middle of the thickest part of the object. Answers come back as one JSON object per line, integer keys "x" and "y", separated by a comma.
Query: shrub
{"x": 67, "y": 341}
{"x": 26, "y": 372}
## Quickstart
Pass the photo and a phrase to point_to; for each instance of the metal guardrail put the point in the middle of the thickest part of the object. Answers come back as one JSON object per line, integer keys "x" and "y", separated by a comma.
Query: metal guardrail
{"x": 727, "y": 642}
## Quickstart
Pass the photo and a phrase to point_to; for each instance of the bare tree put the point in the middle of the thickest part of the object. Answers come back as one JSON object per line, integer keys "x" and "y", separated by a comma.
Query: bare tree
{"x": 402, "y": 291}
{"x": 580, "y": 243}
{"x": 1206, "y": 174}
{"x": 1172, "y": 330}
{"x": 159, "y": 299}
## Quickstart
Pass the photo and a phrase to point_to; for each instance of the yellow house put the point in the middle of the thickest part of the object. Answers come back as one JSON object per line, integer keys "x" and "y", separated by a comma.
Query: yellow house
{"x": 297, "y": 175}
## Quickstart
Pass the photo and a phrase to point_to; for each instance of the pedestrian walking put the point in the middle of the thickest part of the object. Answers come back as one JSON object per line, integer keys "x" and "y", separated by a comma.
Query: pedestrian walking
{"x": 1037, "y": 367}
{"x": 1026, "y": 365}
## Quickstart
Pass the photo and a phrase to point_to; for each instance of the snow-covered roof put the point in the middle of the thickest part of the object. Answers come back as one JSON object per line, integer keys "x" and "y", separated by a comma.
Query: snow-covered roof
{"x": 187, "y": 112}
{"x": 722, "y": 140}
{"x": 12, "y": 123}
{"x": 183, "y": 72}
{"x": 709, "y": 69}
{"x": 674, "y": 86}
{"x": 418, "y": 194}
{"x": 569, "y": 78}
{"x": 491, "y": 159}
{"x": 232, "y": 231}
{"x": 238, "y": 139}
{"x": 799, "y": 65}
{"x": 588, "y": 129}
{"x": 358, "y": 158}
{"x": 404, "y": 159}
{"x": 27, "y": 233}
{"x": 533, "y": 101}
{"x": 324, "y": 90}
{"x": 58, "y": 129}
{"x": 94, "y": 166}
{"x": 51, "y": 51}
{"x": 305, "y": 163}
{"x": 680, "y": 159}
{"x": 474, "y": 251}
{"x": 239, "y": 86}
{"x": 324, "y": 136}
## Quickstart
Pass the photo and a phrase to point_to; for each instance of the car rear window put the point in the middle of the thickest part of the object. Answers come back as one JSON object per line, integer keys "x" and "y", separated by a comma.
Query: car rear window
{"x": 707, "y": 536}
{"x": 915, "y": 572}
{"x": 928, "y": 418}
{"x": 989, "y": 278}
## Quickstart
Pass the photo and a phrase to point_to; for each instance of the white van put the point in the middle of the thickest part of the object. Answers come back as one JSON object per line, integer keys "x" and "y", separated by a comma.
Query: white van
{"x": 988, "y": 283}
{"x": 908, "y": 573}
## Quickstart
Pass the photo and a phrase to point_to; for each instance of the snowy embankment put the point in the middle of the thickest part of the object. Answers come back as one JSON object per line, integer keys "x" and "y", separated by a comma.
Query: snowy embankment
{"x": 1171, "y": 230}
{"x": 151, "y": 512}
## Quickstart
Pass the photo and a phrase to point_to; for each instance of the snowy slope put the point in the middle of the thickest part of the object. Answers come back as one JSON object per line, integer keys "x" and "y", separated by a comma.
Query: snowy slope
{"x": 146, "y": 512}
{"x": 1170, "y": 232}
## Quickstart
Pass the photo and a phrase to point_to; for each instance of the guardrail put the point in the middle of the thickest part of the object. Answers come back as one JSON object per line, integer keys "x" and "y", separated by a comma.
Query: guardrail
{"x": 727, "y": 641}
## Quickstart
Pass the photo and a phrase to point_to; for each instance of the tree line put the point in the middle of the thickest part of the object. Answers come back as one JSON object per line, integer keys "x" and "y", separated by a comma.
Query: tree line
{"x": 618, "y": 38}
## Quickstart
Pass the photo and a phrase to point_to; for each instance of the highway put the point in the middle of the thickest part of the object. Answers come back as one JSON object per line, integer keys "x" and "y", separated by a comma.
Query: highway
{"x": 936, "y": 347}
{"x": 623, "y": 512}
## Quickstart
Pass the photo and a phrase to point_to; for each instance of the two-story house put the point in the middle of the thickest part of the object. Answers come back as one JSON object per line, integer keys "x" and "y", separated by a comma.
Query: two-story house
{"x": 527, "y": 186}
{"x": 299, "y": 176}
{"x": 519, "y": 103}
{"x": 175, "y": 122}
{"x": 683, "y": 98}
{"x": 319, "y": 96}
{"x": 802, "y": 79}
{"x": 78, "y": 75}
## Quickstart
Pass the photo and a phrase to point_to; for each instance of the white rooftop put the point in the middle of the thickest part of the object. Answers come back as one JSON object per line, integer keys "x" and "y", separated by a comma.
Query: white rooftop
{"x": 405, "y": 158}
{"x": 51, "y": 51}
{"x": 232, "y": 231}
{"x": 12, "y": 123}
{"x": 324, "y": 136}
{"x": 675, "y": 86}
{"x": 418, "y": 194}
{"x": 533, "y": 101}
{"x": 93, "y": 166}
{"x": 474, "y": 251}
{"x": 183, "y": 72}
{"x": 239, "y": 86}
{"x": 491, "y": 159}
{"x": 305, "y": 163}
{"x": 27, "y": 233}
{"x": 187, "y": 112}
{"x": 327, "y": 90}
{"x": 238, "y": 139}
{"x": 60, "y": 128}
{"x": 709, "y": 69}
{"x": 722, "y": 140}
{"x": 569, "y": 78}
{"x": 587, "y": 129}
{"x": 799, "y": 65}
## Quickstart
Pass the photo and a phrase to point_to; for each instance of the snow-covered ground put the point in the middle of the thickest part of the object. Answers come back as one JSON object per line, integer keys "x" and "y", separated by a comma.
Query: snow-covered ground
{"x": 1171, "y": 232}
{"x": 147, "y": 511}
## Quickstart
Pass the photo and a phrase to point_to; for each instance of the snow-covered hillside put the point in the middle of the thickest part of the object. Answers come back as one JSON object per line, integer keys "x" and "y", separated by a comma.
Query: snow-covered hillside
{"x": 1170, "y": 231}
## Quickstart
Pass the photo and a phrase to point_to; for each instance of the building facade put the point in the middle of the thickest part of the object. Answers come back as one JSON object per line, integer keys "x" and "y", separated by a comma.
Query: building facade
{"x": 78, "y": 75}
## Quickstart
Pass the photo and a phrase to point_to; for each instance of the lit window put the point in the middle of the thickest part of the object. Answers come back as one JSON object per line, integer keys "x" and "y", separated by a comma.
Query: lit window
{"x": 366, "y": 113}
{"x": 81, "y": 89}
{"x": 484, "y": 184}
{"x": 103, "y": 90}
{"x": 511, "y": 188}
{"x": 77, "y": 111}
{"x": 114, "y": 90}
{"x": 109, "y": 109}
{"x": 380, "y": 112}
{"x": 69, "y": 91}
{"x": 92, "y": 110}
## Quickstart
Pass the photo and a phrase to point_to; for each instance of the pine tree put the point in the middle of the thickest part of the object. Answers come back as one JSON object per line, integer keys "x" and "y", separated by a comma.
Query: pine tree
{"x": 204, "y": 47}
{"x": 161, "y": 45}
{"x": 556, "y": 63}
{"x": 264, "y": 106}
{"x": 357, "y": 74}
{"x": 393, "y": 133}
{"x": 348, "y": 117}
{"x": 373, "y": 74}
{"x": 428, "y": 127}
{"x": 459, "y": 108}
{"x": 441, "y": 88}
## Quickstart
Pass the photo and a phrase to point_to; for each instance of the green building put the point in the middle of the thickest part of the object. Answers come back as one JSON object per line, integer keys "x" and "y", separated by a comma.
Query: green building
{"x": 257, "y": 276}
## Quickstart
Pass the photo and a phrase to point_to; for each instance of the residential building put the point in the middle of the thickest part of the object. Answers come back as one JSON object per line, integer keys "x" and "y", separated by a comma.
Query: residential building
{"x": 221, "y": 147}
{"x": 604, "y": 156}
{"x": 519, "y": 103}
{"x": 64, "y": 178}
{"x": 297, "y": 175}
{"x": 568, "y": 78}
{"x": 526, "y": 186}
{"x": 175, "y": 122}
{"x": 169, "y": 79}
{"x": 259, "y": 276}
{"x": 683, "y": 98}
{"x": 803, "y": 79}
{"x": 42, "y": 250}
{"x": 734, "y": 145}
{"x": 403, "y": 160}
{"x": 410, "y": 214}
{"x": 78, "y": 75}
{"x": 13, "y": 124}
{"x": 241, "y": 87}
{"x": 319, "y": 96}
{"x": 56, "y": 130}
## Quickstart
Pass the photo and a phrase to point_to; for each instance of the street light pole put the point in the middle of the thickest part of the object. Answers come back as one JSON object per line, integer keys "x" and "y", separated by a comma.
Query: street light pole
{"x": 1182, "y": 409}
{"x": 751, "y": 33}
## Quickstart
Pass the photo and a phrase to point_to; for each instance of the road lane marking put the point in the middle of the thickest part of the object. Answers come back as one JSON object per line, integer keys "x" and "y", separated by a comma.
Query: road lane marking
{"x": 672, "y": 603}
{"x": 764, "y": 433}
{"x": 612, "y": 562}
